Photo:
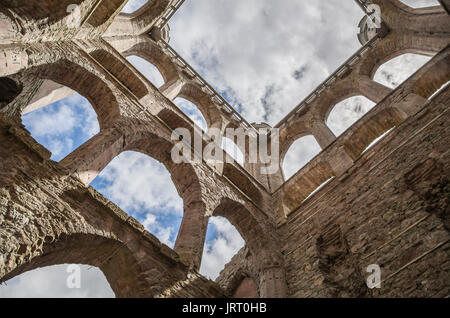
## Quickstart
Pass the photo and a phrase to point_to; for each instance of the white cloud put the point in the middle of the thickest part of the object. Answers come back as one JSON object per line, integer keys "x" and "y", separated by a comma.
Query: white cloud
{"x": 263, "y": 54}
{"x": 138, "y": 182}
{"x": 142, "y": 187}
{"x": 64, "y": 125}
{"x": 221, "y": 249}
{"x": 51, "y": 281}
{"x": 62, "y": 121}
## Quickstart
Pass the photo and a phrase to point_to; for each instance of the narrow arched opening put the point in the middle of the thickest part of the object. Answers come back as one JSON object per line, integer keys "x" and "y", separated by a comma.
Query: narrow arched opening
{"x": 299, "y": 154}
{"x": 395, "y": 71}
{"x": 347, "y": 112}
{"x": 192, "y": 111}
{"x": 222, "y": 242}
{"x": 143, "y": 188}
{"x": 149, "y": 70}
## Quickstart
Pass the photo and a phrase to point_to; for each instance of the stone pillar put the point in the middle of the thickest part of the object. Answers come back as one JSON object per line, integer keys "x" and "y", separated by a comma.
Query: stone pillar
{"x": 410, "y": 104}
{"x": 272, "y": 283}
{"x": 191, "y": 236}
{"x": 340, "y": 161}
{"x": 172, "y": 88}
{"x": 93, "y": 156}
{"x": 372, "y": 90}
{"x": 322, "y": 133}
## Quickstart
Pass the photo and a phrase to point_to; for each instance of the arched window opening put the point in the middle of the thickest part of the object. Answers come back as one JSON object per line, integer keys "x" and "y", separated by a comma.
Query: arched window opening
{"x": 9, "y": 90}
{"x": 147, "y": 69}
{"x": 397, "y": 70}
{"x": 347, "y": 112}
{"x": 420, "y": 3}
{"x": 143, "y": 188}
{"x": 192, "y": 111}
{"x": 133, "y": 5}
{"x": 376, "y": 140}
{"x": 233, "y": 150}
{"x": 299, "y": 154}
{"x": 58, "y": 281}
{"x": 222, "y": 242}
{"x": 63, "y": 126}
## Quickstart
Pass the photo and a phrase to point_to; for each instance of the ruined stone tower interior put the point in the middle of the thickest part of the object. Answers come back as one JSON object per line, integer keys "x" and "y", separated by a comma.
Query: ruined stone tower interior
{"x": 376, "y": 194}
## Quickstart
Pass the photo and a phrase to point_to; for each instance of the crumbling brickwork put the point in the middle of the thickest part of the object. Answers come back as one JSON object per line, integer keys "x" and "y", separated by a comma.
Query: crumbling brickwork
{"x": 387, "y": 205}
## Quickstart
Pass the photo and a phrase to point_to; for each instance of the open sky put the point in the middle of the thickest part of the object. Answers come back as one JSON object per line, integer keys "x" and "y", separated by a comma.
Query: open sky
{"x": 264, "y": 56}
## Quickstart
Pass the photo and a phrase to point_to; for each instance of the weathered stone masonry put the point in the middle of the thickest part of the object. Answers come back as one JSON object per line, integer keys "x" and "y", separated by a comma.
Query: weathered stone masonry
{"x": 388, "y": 205}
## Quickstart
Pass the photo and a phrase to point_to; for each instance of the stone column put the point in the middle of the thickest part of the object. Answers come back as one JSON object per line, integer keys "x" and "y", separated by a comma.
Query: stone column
{"x": 322, "y": 133}
{"x": 191, "y": 236}
{"x": 372, "y": 90}
{"x": 172, "y": 88}
{"x": 92, "y": 157}
{"x": 272, "y": 283}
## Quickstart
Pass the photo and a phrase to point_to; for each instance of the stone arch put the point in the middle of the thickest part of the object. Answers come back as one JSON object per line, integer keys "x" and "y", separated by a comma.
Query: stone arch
{"x": 202, "y": 100}
{"x": 364, "y": 132}
{"x": 104, "y": 10}
{"x": 145, "y": 10}
{"x": 243, "y": 284}
{"x": 341, "y": 117}
{"x": 258, "y": 237}
{"x": 121, "y": 71}
{"x": 304, "y": 184}
{"x": 148, "y": 50}
{"x": 9, "y": 90}
{"x": 110, "y": 255}
{"x": 61, "y": 125}
{"x": 139, "y": 21}
{"x": 433, "y": 75}
{"x": 149, "y": 70}
{"x": 191, "y": 110}
{"x": 75, "y": 77}
{"x": 262, "y": 244}
{"x": 92, "y": 157}
{"x": 291, "y": 133}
